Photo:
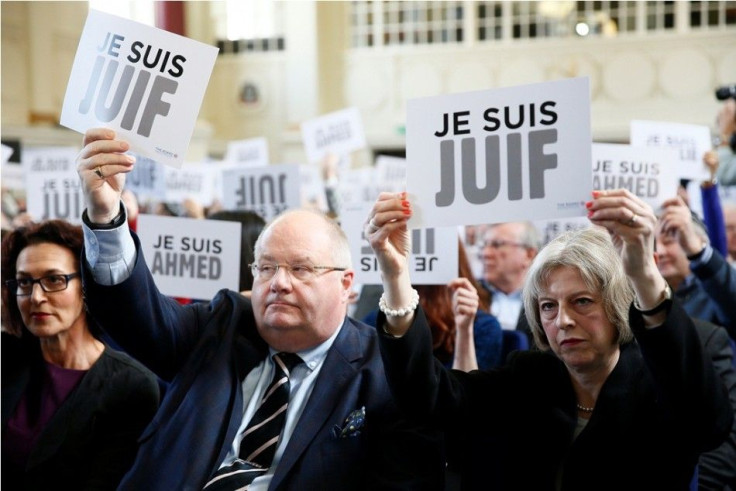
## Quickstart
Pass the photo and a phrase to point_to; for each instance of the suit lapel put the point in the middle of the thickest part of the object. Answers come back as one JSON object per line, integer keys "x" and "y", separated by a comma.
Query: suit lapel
{"x": 336, "y": 373}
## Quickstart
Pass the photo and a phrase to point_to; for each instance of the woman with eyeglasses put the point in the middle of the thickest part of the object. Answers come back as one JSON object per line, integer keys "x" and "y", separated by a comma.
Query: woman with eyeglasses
{"x": 72, "y": 407}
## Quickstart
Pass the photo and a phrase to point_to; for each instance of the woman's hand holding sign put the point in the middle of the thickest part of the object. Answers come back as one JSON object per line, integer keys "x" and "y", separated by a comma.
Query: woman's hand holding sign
{"x": 102, "y": 166}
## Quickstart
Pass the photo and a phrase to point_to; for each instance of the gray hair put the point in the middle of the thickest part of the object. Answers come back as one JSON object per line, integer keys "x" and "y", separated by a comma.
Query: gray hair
{"x": 591, "y": 252}
{"x": 340, "y": 247}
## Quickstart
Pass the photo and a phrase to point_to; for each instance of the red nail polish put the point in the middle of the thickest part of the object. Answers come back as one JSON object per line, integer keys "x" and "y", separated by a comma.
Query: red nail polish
{"x": 405, "y": 204}
{"x": 596, "y": 193}
{"x": 588, "y": 204}
{"x": 590, "y": 214}
{"x": 407, "y": 212}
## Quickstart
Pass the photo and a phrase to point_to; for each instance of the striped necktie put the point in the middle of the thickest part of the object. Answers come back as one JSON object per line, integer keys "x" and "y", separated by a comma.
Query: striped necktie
{"x": 261, "y": 437}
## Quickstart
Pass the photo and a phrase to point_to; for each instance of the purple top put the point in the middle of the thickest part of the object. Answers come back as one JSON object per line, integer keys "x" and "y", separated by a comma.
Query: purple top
{"x": 22, "y": 430}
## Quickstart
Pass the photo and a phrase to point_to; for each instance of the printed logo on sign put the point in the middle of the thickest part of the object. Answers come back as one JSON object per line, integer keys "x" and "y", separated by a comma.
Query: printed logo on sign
{"x": 167, "y": 153}
{"x": 538, "y": 162}
{"x": 570, "y": 205}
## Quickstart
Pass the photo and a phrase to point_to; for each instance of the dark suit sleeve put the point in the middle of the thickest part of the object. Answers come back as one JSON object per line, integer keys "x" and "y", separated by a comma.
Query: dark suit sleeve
{"x": 151, "y": 327}
{"x": 719, "y": 281}
{"x": 717, "y": 468}
{"x": 129, "y": 401}
{"x": 421, "y": 386}
{"x": 684, "y": 377}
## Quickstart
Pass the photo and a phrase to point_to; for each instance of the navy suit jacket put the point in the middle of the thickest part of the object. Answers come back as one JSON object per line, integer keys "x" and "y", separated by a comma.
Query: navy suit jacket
{"x": 206, "y": 350}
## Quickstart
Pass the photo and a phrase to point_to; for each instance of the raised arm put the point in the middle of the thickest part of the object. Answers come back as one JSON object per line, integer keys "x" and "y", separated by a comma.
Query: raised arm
{"x": 464, "y": 307}
{"x": 102, "y": 165}
{"x": 632, "y": 223}
{"x": 387, "y": 232}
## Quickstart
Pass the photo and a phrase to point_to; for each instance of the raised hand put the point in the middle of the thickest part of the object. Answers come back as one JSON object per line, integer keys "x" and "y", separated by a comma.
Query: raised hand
{"x": 102, "y": 165}
{"x": 632, "y": 224}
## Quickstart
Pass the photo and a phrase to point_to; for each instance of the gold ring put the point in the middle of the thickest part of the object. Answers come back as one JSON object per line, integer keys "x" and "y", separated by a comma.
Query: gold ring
{"x": 632, "y": 220}
{"x": 99, "y": 172}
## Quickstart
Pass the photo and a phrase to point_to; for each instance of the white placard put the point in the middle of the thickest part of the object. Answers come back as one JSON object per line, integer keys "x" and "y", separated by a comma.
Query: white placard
{"x": 549, "y": 229}
{"x": 13, "y": 176}
{"x": 147, "y": 180}
{"x": 391, "y": 173}
{"x": 7, "y": 152}
{"x": 312, "y": 188}
{"x": 53, "y": 188}
{"x": 358, "y": 186}
{"x": 645, "y": 171}
{"x": 194, "y": 181}
{"x": 340, "y": 132}
{"x": 267, "y": 190}
{"x": 145, "y": 83}
{"x": 691, "y": 141}
{"x": 433, "y": 259}
{"x": 191, "y": 257}
{"x": 500, "y": 155}
{"x": 251, "y": 152}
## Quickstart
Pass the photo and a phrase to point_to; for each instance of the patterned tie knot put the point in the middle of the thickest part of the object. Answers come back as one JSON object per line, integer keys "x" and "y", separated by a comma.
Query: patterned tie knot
{"x": 286, "y": 362}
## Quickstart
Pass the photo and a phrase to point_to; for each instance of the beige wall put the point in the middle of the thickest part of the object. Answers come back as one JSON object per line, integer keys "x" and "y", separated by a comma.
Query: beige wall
{"x": 667, "y": 77}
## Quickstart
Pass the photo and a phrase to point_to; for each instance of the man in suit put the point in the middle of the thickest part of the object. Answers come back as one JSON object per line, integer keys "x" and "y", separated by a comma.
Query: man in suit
{"x": 699, "y": 276}
{"x": 342, "y": 429}
{"x": 507, "y": 252}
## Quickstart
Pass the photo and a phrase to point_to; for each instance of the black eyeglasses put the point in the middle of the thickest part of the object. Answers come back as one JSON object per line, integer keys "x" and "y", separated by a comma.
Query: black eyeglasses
{"x": 51, "y": 283}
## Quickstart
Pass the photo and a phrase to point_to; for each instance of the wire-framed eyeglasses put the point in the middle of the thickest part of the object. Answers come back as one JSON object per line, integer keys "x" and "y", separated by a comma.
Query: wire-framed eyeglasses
{"x": 301, "y": 271}
{"x": 497, "y": 244}
{"x": 50, "y": 284}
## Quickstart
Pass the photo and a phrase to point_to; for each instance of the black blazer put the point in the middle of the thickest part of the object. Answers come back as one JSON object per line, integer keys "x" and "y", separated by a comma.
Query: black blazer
{"x": 717, "y": 467}
{"x": 512, "y": 428}
{"x": 207, "y": 349}
{"x": 91, "y": 440}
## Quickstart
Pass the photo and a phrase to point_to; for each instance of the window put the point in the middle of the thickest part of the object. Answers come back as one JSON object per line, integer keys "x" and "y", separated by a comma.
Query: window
{"x": 396, "y": 23}
{"x": 252, "y": 25}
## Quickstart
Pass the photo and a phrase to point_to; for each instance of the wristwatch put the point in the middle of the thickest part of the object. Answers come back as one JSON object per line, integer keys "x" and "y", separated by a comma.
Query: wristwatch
{"x": 663, "y": 304}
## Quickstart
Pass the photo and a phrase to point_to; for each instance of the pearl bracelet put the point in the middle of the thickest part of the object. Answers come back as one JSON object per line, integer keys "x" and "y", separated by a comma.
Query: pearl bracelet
{"x": 399, "y": 312}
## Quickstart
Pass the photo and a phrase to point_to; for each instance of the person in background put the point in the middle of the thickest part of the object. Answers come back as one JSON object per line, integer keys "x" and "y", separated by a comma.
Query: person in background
{"x": 508, "y": 251}
{"x": 340, "y": 428}
{"x": 715, "y": 225}
{"x": 251, "y": 225}
{"x": 717, "y": 467}
{"x": 444, "y": 307}
{"x": 726, "y": 150}
{"x": 700, "y": 277}
{"x": 620, "y": 372}
{"x": 729, "y": 217}
{"x": 72, "y": 407}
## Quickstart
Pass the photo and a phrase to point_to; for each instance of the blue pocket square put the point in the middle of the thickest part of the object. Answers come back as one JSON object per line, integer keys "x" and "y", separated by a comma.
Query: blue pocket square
{"x": 352, "y": 425}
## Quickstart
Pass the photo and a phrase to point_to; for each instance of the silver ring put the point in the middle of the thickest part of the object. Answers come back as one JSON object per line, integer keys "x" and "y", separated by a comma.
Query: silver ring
{"x": 99, "y": 172}
{"x": 632, "y": 220}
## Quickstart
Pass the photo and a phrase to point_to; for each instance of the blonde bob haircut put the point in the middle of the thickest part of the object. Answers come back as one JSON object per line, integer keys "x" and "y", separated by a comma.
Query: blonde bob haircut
{"x": 591, "y": 252}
